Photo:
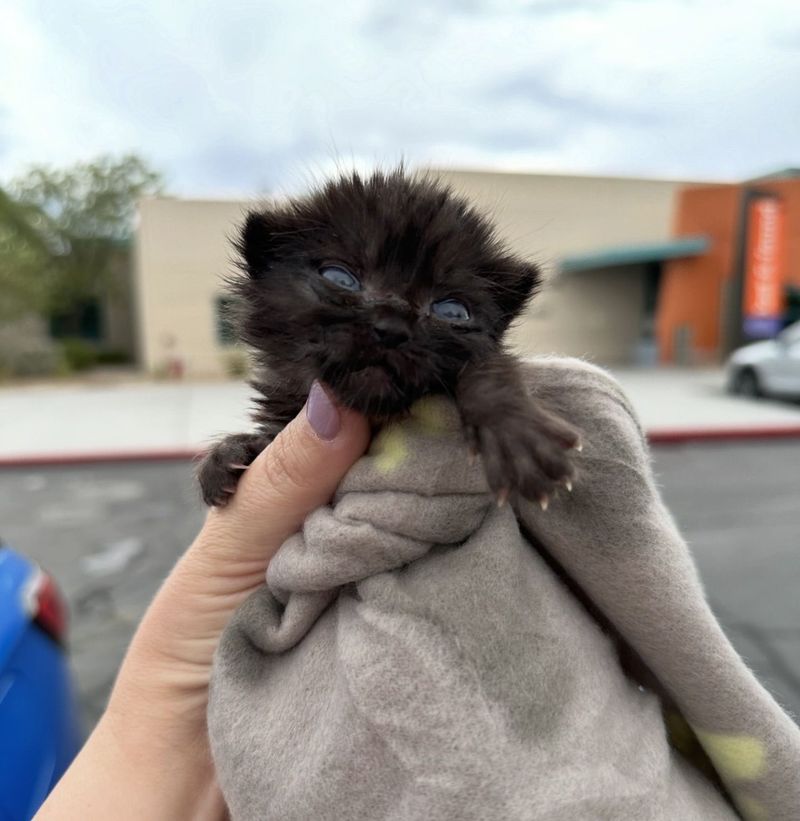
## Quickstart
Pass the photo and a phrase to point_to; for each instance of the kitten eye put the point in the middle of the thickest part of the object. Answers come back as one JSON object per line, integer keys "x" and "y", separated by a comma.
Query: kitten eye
{"x": 341, "y": 277}
{"x": 451, "y": 310}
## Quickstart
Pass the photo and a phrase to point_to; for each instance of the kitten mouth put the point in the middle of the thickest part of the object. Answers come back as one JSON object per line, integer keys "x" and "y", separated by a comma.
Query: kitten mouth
{"x": 373, "y": 381}
{"x": 374, "y": 390}
{"x": 375, "y": 375}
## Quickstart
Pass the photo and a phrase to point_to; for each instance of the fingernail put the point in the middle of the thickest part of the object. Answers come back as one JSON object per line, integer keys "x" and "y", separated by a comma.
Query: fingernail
{"x": 322, "y": 414}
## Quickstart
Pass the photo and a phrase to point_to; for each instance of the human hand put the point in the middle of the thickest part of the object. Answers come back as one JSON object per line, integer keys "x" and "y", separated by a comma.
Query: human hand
{"x": 148, "y": 757}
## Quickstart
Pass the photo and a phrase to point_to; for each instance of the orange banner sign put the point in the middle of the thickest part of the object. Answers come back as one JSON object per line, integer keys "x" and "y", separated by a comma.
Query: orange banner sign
{"x": 764, "y": 276}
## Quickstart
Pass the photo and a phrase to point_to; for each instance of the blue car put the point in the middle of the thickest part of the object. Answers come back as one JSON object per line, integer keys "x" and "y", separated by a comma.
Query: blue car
{"x": 39, "y": 724}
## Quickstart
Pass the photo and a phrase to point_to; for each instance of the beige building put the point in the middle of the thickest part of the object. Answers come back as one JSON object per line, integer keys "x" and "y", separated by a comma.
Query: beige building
{"x": 601, "y": 241}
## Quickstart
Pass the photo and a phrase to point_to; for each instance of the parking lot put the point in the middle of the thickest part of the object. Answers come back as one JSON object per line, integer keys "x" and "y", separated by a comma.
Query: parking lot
{"x": 109, "y": 534}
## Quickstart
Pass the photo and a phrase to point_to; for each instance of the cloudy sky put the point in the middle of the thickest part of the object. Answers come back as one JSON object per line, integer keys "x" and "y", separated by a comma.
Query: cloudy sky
{"x": 246, "y": 96}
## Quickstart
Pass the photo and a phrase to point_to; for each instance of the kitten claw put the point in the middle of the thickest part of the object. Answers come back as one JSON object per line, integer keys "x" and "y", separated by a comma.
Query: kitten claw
{"x": 502, "y": 496}
{"x": 544, "y": 502}
{"x": 237, "y": 466}
{"x": 568, "y": 485}
{"x": 579, "y": 446}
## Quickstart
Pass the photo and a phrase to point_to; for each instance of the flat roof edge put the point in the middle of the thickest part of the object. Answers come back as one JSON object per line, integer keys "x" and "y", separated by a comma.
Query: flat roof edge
{"x": 636, "y": 254}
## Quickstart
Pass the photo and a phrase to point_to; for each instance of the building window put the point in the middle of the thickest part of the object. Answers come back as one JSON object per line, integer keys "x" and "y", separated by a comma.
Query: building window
{"x": 83, "y": 321}
{"x": 226, "y": 333}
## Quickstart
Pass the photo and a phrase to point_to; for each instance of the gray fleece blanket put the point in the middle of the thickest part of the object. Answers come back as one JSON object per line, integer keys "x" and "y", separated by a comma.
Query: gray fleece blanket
{"x": 418, "y": 653}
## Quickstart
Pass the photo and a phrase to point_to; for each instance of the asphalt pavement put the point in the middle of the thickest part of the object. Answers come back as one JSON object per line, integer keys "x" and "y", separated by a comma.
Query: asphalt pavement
{"x": 110, "y": 533}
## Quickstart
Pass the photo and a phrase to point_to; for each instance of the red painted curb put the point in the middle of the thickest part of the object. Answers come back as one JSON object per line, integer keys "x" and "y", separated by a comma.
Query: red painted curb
{"x": 664, "y": 436}
{"x": 99, "y": 457}
{"x": 667, "y": 436}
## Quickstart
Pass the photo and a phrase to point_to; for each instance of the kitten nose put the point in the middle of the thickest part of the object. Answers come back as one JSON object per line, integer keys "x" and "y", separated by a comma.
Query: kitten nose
{"x": 392, "y": 330}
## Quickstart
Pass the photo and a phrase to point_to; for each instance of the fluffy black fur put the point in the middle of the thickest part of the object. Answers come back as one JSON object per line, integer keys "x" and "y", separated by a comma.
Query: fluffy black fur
{"x": 410, "y": 242}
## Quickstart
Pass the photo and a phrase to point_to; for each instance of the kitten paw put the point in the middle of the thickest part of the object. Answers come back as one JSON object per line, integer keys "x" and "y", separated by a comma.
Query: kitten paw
{"x": 527, "y": 454}
{"x": 220, "y": 470}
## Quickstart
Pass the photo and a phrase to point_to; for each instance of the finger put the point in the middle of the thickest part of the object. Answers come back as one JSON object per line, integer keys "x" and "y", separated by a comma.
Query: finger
{"x": 295, "y": 474}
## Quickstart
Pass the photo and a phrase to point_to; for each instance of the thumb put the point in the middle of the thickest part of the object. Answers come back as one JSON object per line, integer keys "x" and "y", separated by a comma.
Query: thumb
{"x": 292, "y": 476}
{"x": 295, "y": 474}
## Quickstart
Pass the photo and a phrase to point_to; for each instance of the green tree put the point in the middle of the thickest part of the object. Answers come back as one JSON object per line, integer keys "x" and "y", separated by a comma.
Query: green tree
{"x": 83, "y": 217}
{"x": 26, "y": 266}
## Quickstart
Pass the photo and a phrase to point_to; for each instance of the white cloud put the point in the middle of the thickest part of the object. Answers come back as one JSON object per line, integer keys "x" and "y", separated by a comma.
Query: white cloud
{"x": 239, "y": 97}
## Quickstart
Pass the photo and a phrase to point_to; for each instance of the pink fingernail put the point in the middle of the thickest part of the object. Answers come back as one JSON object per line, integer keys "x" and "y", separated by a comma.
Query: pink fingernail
{"x": 322, "y": 414}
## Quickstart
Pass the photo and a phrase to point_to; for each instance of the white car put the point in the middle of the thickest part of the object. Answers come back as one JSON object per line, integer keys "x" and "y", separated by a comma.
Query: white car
{"x": 768, "y": 368}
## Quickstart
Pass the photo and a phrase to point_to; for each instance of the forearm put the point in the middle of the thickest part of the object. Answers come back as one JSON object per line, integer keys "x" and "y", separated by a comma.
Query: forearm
{"x": 122, "y": 779}
{"x": 148, "y": 756}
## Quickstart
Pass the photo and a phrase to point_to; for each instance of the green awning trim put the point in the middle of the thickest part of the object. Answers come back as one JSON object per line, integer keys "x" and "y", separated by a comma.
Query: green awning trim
{"x": 636, "y": 254}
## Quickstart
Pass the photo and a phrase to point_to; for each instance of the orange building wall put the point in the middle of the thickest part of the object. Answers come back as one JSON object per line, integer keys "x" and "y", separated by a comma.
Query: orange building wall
{"x": 691, "y": 289}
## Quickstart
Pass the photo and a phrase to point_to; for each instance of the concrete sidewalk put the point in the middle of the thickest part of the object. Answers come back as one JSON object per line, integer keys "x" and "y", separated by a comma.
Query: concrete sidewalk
{"x": 65, "y": 422}
{"x": 680, "y": 404}
{"x": 75, "y": 422}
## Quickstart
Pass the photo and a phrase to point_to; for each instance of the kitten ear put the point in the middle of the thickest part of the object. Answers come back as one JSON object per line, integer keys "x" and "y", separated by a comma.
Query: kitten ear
{"x": 258, "y": 241}
{"x": 519, "y": 281}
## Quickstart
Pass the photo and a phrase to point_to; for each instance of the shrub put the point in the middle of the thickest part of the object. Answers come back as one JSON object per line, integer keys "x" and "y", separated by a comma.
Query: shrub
{"x": 236, "y": 363}
{"x": 26, "y": 350}
{"x": 79, "y": 355}
{"x": 113, "y": 357}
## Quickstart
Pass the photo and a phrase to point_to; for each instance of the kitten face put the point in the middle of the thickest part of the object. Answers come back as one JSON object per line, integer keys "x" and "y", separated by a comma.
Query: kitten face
{"x": 384, "y": 288}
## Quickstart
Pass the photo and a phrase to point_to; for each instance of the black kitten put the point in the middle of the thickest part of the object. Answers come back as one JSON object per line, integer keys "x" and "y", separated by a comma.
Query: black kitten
{"x": 387, "y": 289}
